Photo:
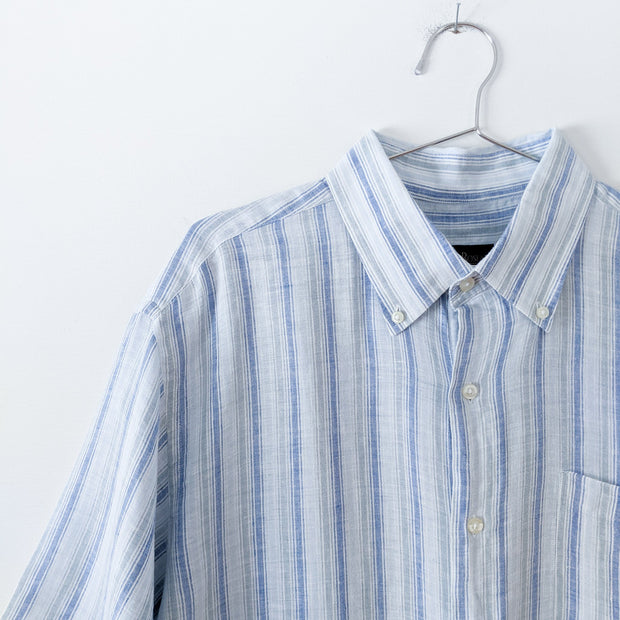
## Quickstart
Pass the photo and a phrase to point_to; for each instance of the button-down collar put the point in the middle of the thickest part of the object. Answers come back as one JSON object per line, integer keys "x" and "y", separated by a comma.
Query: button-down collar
{"x": 410, "y": 261}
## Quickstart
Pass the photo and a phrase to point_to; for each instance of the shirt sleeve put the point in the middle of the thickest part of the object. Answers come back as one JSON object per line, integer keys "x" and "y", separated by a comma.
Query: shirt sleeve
{"x": 103, "y": 550}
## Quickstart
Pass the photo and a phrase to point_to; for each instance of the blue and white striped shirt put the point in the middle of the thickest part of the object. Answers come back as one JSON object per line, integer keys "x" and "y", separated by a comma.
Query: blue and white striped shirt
{"x": 321, "y": 410}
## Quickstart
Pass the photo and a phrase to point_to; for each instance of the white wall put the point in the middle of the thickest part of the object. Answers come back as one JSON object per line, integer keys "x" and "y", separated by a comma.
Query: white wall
{"x": 123, "y": 123}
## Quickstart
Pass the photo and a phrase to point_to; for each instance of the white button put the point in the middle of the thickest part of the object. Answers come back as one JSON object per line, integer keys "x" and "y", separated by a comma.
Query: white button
{"x": 475, "y": 525}
{"x": 398, "y": 316}
{"x": 469, "y": 391}
{"x": 467, "y": 283}
{"x": 542, "y": 312}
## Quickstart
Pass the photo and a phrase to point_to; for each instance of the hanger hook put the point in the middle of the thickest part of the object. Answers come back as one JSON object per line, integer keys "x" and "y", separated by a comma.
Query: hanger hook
{"x": 453, "y": 28}
{"x": 456, "y": 19}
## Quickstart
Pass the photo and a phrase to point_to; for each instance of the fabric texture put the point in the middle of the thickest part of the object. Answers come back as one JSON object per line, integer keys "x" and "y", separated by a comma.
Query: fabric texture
{"x": 321, "y": 410}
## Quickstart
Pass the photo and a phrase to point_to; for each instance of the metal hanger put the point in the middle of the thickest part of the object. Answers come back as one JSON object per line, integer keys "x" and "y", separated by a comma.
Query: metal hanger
{"x": 420, "y": 68}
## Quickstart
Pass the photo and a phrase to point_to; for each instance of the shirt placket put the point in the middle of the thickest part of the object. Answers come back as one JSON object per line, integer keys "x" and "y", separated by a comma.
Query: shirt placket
{"x": 472, "y": 453}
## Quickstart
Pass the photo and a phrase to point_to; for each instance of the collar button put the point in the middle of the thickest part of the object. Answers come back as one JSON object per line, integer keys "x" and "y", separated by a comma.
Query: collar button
{"x": 467, "y": 284}
{"x": 398, "y": 316}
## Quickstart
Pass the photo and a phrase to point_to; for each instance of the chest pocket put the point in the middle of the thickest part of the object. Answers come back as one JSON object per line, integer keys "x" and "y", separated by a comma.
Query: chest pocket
{"x": 588, "y": 548}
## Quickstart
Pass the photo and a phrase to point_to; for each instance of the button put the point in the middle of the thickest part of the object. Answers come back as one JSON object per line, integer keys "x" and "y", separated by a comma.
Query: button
{"x": 469, "y": 391}
{"x": 542, "y": 312}
{"x": 398, "y": 316}
{"x": 467, "y": 283}
{"x": 475, "y": 525}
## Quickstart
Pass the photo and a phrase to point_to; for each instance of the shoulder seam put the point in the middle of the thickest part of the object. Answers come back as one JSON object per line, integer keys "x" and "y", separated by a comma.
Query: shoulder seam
{"x": 268, "y": 221}
{"x": 610, "y": 193}
{"x": 154, "y": 310}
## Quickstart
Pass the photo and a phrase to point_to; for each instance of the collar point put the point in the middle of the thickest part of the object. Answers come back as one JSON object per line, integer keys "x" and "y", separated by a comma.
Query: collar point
{"x": 399, "y": 318}
{"x": 541, "y": 314}
{"x": 545, "y": 324}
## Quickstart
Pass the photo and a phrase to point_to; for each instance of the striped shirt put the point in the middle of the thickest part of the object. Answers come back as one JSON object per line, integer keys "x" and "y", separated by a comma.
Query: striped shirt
{"x": 322, "y": 410}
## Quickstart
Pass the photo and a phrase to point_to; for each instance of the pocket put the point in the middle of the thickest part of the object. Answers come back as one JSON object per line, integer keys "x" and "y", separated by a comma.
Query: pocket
{"x": 588, "y": 551}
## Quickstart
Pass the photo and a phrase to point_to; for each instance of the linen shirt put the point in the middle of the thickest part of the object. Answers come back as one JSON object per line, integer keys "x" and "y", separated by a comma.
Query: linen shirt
{"x": 321, "y": 409}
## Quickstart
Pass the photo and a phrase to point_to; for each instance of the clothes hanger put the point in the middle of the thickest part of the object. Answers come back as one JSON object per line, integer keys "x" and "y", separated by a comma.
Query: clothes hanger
{"x": 420, "y": 68}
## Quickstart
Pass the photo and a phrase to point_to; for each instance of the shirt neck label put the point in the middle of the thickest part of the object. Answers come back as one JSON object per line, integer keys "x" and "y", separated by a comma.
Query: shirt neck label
{"x": 473, "y": 254}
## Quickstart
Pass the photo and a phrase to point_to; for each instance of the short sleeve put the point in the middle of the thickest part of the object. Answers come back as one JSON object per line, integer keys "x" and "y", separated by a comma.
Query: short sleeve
{"x": 101, "y": 553}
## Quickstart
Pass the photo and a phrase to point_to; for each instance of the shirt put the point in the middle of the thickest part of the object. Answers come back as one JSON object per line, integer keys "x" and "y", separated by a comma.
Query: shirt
{"x": 321, "y": 410}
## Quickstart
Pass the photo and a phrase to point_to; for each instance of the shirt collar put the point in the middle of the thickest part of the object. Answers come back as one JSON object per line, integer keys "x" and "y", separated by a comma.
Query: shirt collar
{"x": 411, "y": 263}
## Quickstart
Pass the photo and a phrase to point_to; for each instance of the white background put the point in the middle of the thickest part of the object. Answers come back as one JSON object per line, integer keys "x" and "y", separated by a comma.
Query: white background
{"x": 122, "y": 123}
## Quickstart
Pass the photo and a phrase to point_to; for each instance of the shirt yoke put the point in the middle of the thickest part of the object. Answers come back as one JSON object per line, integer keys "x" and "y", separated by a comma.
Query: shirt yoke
{"x": 205, "y": 235}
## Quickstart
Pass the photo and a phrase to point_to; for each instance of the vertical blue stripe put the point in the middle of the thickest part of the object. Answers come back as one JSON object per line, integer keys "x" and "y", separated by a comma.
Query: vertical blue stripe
{"x": 573, "y": 549}
{"x": 505, "y": 333}
{"x": 539, "y": 421}
{"x": 284, "y": 268}
{"x": 615, "y": 558}
{"x": 327, "y": 264}
{"x": 447, "y": 361}
{"x": 216, "y": 434}
{"x": 374, "y": 430}
{"x": 614, "y": 571}
{"x": 181, "y": 552}
{"x": 461, "y": 550}
{"x": 577, "y": 465}
{"x": 258, "y": 521}
{"x": 413, "y": 440}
